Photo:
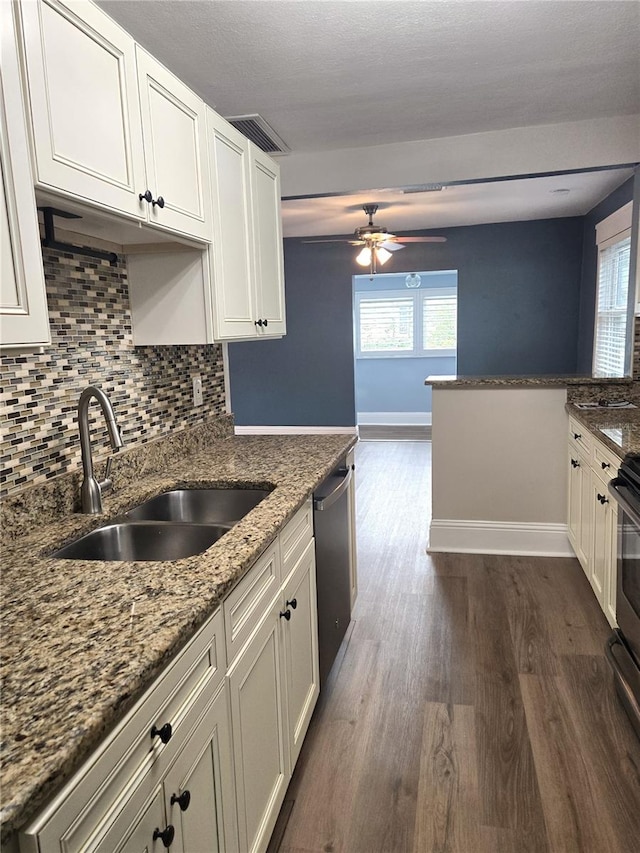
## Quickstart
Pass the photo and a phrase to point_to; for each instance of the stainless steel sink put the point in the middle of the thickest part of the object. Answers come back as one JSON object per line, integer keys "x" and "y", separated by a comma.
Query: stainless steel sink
{"x": 129, "y": 540}
{"x": 201, "y": 506}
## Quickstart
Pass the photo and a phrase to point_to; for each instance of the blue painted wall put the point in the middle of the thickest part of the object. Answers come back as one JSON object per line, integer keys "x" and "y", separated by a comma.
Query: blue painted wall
{"x": 397, "y": 384}
{"x": 518, "y": 306}
{"x": 618, "y": 198}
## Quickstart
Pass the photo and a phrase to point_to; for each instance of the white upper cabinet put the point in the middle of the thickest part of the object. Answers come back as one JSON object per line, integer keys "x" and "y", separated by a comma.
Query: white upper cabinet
{"x": 247, "y": 247}
{"x": 232, "y": 255}
{"x": 175, "y": 145}
{"x": 267, "y": 234}
{"x": 111, "y": 126}
{"x": 83, "y": 92}
{"x": 23, "y": 303}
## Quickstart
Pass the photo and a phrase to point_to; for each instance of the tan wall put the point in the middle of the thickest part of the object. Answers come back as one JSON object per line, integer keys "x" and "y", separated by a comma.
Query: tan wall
{"x": 500, "y": 454}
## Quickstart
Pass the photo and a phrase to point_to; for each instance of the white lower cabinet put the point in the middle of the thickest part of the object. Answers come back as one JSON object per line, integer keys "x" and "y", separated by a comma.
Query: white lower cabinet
{"x": 260, "y": 749}
{"x": 202, "y": 762}
{"x": 592, "y": 516}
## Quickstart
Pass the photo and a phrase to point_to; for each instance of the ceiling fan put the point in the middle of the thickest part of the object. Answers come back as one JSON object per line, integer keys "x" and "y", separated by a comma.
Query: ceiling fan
{"x": 377, "y": 242}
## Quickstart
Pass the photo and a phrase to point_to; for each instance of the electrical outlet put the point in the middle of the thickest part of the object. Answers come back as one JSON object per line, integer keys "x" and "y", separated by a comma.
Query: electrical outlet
{"x": 197, "y": 390}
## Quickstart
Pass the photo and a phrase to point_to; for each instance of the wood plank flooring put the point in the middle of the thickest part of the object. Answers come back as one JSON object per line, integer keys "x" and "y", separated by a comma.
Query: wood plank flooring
{"x": 472, "y": 710}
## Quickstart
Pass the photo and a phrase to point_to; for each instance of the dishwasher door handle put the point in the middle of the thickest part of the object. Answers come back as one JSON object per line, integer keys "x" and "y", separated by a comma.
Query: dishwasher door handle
{"x": 321, "y": 503}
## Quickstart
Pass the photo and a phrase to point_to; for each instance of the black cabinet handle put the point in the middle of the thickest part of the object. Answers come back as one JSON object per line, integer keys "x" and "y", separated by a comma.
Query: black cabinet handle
{"x": 165, "y": 835}
{"x": 286, "y": 614}
{"x": 575, "y": 463}
{"x": 183, "y": 800}
{"x": 146, "y": 196}
{"x": 158, "y": 201}
{"x": 603, "y": 500}
{"x": 605, "y": 465}
{"x": 293, "y": 603}
{"x": 577, "y": 435}
{"x": 163, "y": 733}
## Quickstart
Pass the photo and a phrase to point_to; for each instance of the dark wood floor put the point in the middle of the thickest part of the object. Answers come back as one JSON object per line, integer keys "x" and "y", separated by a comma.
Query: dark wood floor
{"x": 472, "y": 710}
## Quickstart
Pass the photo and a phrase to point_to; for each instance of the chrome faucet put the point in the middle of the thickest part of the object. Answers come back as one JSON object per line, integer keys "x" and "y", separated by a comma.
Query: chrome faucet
{"x": 91, "y": 490}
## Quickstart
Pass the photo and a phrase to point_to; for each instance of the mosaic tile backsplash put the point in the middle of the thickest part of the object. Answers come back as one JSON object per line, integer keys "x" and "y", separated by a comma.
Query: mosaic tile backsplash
{"x": 149, "y": 387}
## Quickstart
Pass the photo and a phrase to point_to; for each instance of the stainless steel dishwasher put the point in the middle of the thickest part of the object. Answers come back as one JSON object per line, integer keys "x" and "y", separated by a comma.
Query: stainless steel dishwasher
{"x": 331, "y": 530}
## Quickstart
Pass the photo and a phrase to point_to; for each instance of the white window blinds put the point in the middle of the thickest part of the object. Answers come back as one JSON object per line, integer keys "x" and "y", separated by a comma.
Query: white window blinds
{"x": 386, "y": 324}
{"x": 614, "y": 253}
{"x": 439, "y": 318}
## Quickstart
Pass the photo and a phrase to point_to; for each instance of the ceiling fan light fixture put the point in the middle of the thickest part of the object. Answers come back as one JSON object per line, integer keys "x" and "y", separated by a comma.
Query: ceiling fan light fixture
{"x": 382, "y": 255}
{"x": 364, "y": 257}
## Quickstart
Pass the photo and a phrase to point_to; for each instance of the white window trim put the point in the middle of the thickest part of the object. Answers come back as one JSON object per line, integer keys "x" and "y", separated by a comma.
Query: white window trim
{"x": 419, "y": 296}
{"x": 612, "y": 230}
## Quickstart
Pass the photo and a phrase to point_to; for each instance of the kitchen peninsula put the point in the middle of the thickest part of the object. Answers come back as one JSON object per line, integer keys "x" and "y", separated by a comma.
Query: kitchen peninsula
{"x": 500, "y": 456}
{"x": 83, "y": 640}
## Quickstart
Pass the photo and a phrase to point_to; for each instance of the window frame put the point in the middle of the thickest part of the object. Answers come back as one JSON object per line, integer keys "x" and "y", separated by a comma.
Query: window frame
{"x": 420, "y": 299}
{"x": 611, "y": 231}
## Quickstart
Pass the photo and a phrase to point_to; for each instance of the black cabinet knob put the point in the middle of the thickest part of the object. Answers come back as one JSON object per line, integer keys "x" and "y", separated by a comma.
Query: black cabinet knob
{"x": 603, "y": 500}
{"x": 183, "y": 800}
{"x": 165, "y": 835}
{"x": 146, "y": 196}
{"x": 257, "y": 322}
{"x": 577, "y": 435}
{"x": 293, "y": 603}
{"x": 575, "y": 463}
{"x": 286, "y": 614}
{"x": 163, "y": 733}
{"x": 158, "y": 201}
{"x": 605, "y": 465}
{"x": 265, "y": 323}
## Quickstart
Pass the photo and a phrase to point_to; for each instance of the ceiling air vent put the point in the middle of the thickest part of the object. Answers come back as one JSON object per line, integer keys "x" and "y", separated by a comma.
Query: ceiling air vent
{"x": 255, "y": 128}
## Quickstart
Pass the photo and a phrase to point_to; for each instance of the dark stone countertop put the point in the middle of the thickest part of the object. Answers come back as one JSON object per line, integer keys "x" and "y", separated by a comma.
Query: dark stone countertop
{"x": 74, "y": 660}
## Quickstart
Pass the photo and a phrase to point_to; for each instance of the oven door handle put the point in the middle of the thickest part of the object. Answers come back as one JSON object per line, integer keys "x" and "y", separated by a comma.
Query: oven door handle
{"x": 627, "y": 506}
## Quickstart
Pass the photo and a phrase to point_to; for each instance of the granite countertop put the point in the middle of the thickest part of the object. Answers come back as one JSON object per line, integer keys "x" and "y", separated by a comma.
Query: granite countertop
{"x": 74, "y": 658}
{"x": 617, "y": 429}
{"x": 519, "y": 381}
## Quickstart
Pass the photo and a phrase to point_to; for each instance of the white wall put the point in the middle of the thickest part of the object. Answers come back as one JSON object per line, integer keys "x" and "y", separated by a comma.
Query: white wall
{"x": 516, "y": 151}
{"x": 499, "y": 470}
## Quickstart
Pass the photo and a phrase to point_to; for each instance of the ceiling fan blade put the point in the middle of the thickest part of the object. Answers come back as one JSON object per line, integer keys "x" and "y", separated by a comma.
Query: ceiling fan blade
{"x": 391, "y": 245}
{"x": 422, "y": 239}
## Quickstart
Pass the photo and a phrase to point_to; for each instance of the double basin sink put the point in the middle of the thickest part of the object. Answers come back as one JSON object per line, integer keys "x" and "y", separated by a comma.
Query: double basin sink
{"x": 173, "y": 525}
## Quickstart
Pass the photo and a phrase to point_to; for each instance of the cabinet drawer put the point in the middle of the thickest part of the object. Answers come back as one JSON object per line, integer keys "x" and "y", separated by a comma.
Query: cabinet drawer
{"x": 245, "y": 605}
{"x": 579, "y": 437}
{"x": 604, "y": 462}
{"x": 80, "y": 815}
{"x": 295, "y": 538}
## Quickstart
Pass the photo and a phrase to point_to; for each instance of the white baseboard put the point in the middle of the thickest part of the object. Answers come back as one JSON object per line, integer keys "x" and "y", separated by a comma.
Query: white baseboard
{"x": 460, "y": 536}
{"x": 394, "y": 418}
{"x": 296, "y": 430}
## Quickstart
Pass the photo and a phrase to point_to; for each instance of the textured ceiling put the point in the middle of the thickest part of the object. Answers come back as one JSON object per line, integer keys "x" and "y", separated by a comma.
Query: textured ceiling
{"x": 354, "y": 73}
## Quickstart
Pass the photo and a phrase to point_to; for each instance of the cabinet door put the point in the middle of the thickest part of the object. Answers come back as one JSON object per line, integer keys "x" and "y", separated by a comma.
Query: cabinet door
{"x": 258, "y": 729}
{"x": 267, "y": 231}
{"x": 574, "y": 495}
{"x": 139, "y": 837}
{"x": 23, "y": 303}
{"x": 84, "y": 104}
{"x": 300, "y": 645}
{"x": 199, "y": 788}
{"x": 232, "y": 251}
{"x": 587, "y": 511}
{"x": 174, "y": 132}
{"x": 611, "y": 576}
{"x": 601, "y": 539}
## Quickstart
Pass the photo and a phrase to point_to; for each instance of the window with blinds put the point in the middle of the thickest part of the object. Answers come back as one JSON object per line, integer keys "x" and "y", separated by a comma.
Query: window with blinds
{"x": 612, "y": 301}
{"x": 394, "y": 323}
